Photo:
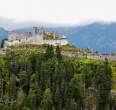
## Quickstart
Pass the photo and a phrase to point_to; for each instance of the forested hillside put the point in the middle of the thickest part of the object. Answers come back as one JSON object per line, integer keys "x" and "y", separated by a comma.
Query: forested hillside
{"x": 31, "y": 80}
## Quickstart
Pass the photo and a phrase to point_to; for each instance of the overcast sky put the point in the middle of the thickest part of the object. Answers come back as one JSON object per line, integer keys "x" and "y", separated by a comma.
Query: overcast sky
{"x": 65, "y": 12}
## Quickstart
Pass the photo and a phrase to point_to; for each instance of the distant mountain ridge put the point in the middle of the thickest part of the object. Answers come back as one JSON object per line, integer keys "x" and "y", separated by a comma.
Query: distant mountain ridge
{"x": 96, "y": 36}
{"x": 3, "y": 33}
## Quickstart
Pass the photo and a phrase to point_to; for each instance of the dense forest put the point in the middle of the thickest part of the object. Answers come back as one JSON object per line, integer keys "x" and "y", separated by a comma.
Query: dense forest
{"x": 50, "y": 81}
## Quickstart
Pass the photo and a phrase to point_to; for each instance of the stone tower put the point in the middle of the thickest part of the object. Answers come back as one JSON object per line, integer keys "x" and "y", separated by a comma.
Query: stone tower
{"x": 37, "y": 34}
{"x": 36, "y": 31}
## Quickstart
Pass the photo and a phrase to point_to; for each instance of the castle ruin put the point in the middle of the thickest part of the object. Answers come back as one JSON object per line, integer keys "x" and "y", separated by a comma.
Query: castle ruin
{"x": 38, "y": 37}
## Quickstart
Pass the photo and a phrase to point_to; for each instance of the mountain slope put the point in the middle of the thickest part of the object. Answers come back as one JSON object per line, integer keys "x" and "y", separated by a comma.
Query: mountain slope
{"x": 97, "y": 37}
{"x": 3, "y": 34}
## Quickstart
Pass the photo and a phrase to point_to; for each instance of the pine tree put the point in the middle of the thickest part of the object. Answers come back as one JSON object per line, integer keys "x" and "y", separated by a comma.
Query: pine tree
{"x": 86, "y": 76}
{"x": 47, "y": 100}
{"x": 2, "y": 43}
{"x": 49, "y": 52}
{"x": 74, "y": 89}
{"x": 58, "y": 53}
{"x": 58, "y": 100}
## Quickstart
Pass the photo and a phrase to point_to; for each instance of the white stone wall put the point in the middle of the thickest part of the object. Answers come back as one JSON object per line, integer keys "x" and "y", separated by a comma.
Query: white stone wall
{"x": 36, "y": 39}
{"x": 64, "y": 41}
{"x": 7, "y": 43}
{"x": 56, "y": 42}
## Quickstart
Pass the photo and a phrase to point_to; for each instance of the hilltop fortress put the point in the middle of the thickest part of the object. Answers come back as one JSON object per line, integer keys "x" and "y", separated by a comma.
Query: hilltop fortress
{"x": 38, "y": 37}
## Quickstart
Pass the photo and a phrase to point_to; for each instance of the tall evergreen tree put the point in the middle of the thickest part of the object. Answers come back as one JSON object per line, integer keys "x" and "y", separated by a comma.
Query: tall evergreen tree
{"x": 47, "y": 100}
{"x": 58, "y": 53}
{"x": 49, "y": 52}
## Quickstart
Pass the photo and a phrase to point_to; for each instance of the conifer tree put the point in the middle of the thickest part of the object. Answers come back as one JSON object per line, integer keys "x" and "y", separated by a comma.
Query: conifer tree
{"x": 58, "y": 53}
{"x": 47, "y": 100}
{"x": 49, "y": 52}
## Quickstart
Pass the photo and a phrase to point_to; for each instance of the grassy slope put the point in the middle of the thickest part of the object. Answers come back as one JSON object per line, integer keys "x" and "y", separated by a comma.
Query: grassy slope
{"x": 69, "y": 48}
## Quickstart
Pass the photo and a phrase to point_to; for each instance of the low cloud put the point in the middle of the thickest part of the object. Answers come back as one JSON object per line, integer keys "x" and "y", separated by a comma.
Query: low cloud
{"x": 11, "y": 24}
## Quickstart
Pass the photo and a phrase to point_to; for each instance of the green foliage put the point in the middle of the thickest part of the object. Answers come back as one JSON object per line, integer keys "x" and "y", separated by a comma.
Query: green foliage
{"x": 69, "y": 47}
{"x": 58, "y": 53}
{"x": 47, "y": 100}
{"x": 49, "y": 81}
{"x": 50, "y": 36}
